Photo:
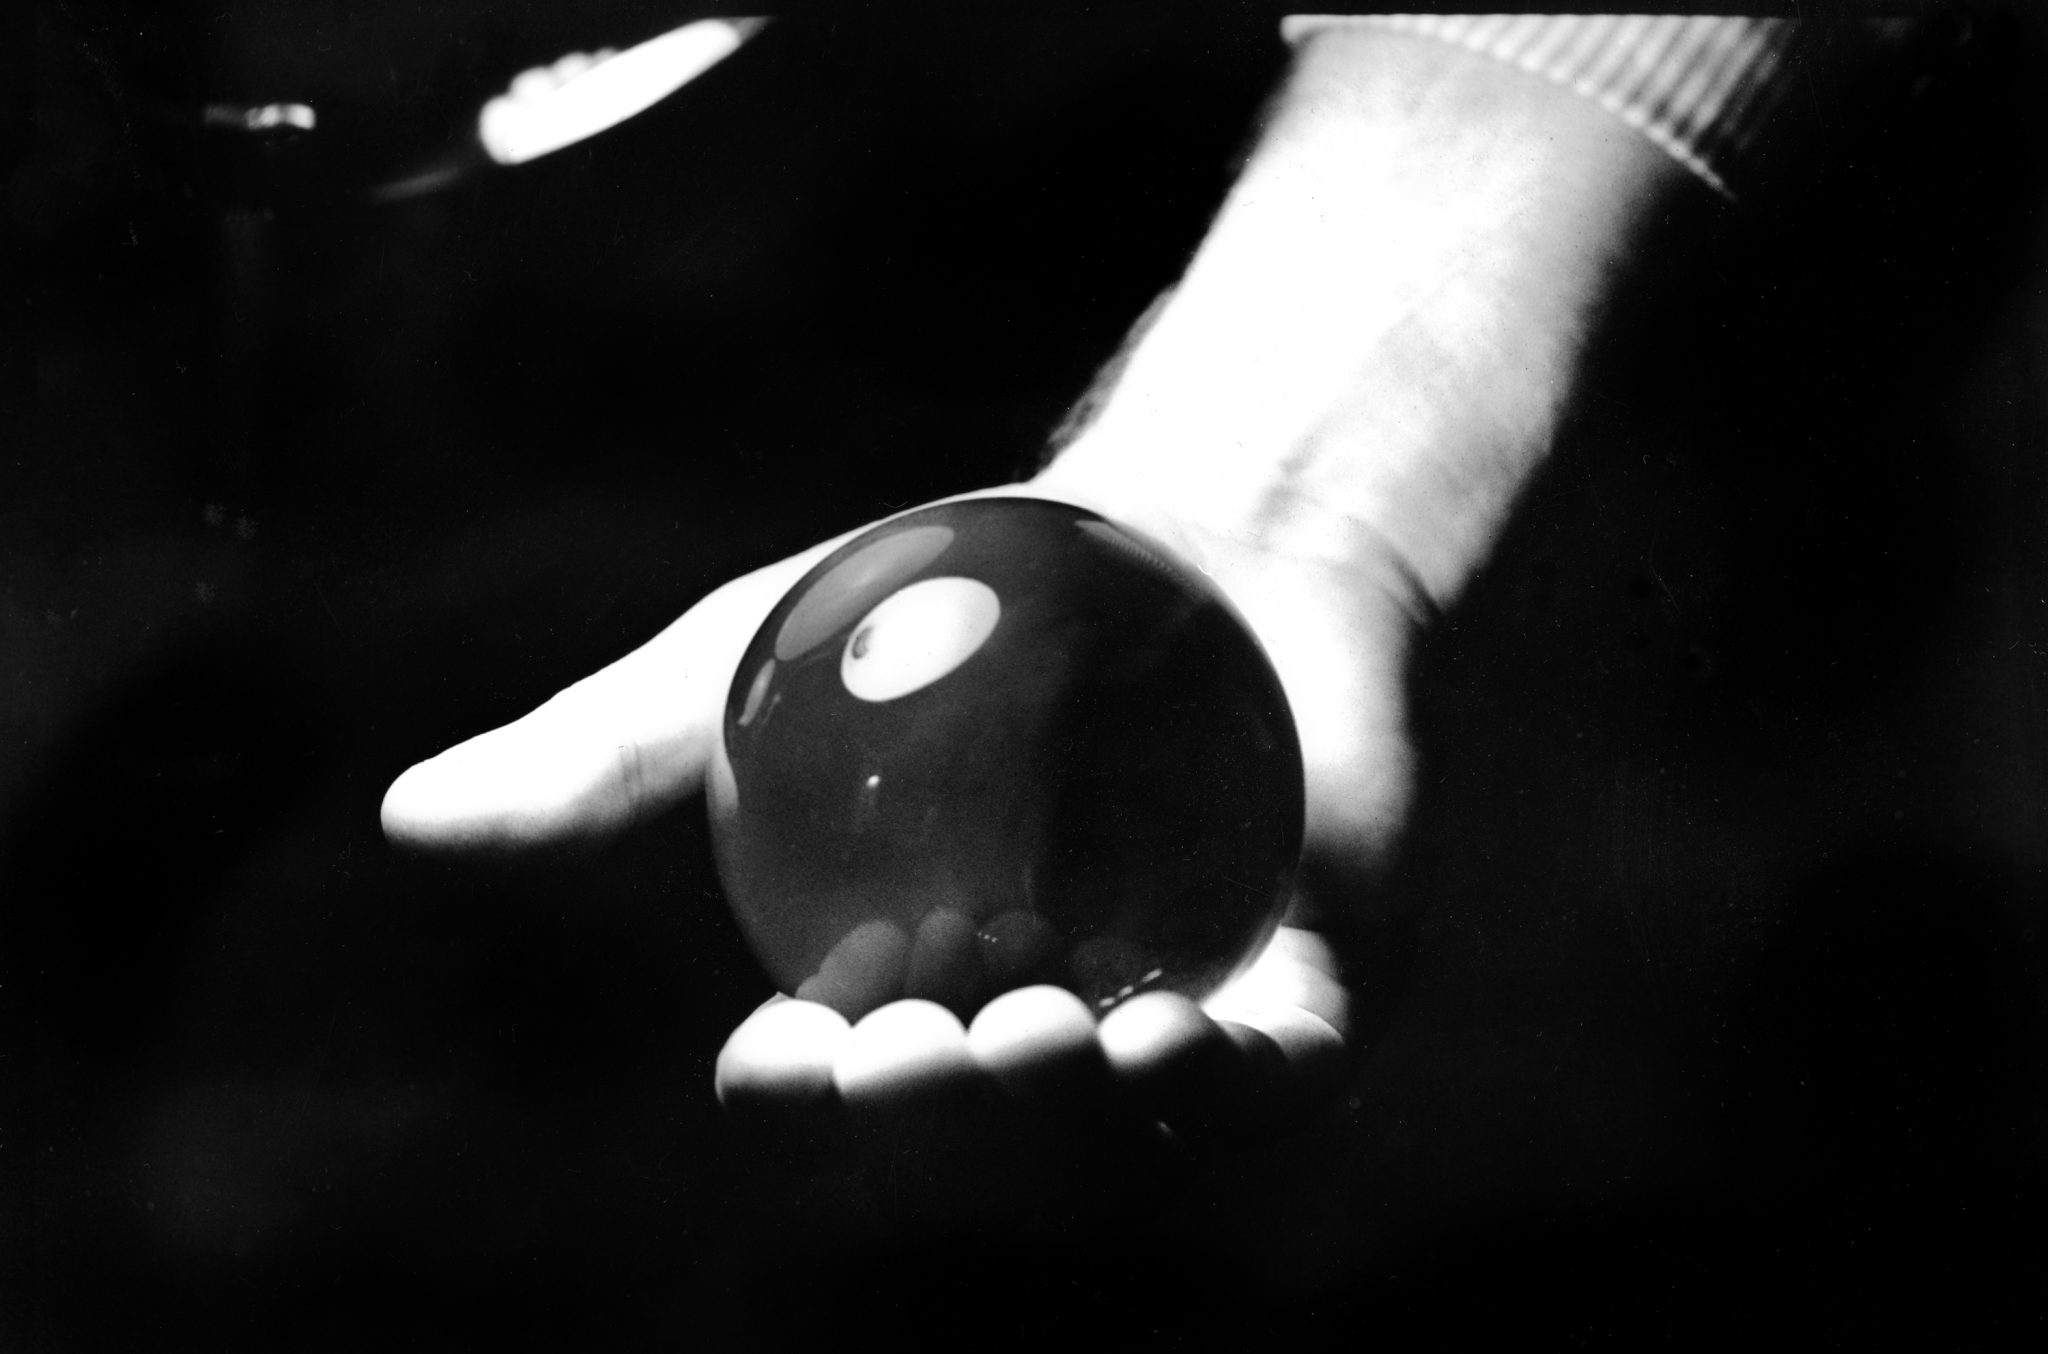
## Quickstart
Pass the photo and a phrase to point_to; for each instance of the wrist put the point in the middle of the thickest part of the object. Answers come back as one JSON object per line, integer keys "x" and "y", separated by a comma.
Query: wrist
{"x": 1374, "y": 347}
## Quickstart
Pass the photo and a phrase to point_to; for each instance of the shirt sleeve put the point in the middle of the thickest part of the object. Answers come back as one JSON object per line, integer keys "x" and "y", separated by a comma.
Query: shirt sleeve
{"x": 1699, "y": 86}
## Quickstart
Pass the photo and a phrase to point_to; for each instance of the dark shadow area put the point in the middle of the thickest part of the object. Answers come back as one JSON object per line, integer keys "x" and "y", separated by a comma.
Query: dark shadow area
{"x": 1716, "y": 995}
{"x": 1732, "y": 840}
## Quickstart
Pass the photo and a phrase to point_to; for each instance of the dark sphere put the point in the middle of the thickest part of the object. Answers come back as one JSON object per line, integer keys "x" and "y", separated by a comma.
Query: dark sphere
{"x": 1000, "y": 742}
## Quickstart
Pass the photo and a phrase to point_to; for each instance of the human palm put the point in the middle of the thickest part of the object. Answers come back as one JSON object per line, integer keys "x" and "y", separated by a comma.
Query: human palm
{"x": 634, "y": 741}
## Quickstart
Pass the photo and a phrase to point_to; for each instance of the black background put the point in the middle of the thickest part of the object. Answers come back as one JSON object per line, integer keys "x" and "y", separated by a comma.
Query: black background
{"x": 1715, "y": 1003}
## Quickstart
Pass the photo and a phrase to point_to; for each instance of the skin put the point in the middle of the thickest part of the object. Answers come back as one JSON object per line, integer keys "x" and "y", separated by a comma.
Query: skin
{"x": 1333, "y": 414}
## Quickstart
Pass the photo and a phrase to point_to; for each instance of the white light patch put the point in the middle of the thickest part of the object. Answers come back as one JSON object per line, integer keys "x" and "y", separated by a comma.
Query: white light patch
{"x": 263, "y": 119}
{"x": 916, "y": 636}
{"x": 757, "y": 692}
{"x": 548, "y": 108}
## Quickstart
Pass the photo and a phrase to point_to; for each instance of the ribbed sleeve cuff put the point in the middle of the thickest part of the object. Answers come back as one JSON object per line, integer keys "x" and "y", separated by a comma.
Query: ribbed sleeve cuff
{"x": 1700, "y": 86}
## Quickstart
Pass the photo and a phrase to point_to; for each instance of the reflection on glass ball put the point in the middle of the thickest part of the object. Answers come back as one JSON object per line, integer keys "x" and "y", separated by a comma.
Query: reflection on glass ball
{"x": 1000, "y": 742}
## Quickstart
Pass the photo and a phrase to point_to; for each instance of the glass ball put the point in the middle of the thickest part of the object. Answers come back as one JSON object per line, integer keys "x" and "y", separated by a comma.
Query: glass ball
{"x": 999, "y": 742}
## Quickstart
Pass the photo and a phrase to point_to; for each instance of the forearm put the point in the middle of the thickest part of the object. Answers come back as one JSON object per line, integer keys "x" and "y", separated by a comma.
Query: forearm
{"x": 1372, "y": 349}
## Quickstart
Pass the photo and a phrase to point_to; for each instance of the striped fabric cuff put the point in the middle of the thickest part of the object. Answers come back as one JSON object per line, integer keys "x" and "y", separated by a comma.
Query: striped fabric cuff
{"x": 1700, "y": 86}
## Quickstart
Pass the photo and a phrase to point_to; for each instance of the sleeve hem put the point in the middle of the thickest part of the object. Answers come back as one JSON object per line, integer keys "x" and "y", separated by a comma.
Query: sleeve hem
{"x": 1699, "y": 86}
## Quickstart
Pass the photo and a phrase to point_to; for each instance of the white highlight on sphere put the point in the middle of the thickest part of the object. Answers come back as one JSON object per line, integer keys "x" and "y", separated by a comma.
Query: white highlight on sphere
{"x": 849, "y": 587}
{"x": 548, "y": 108}
{"x": 918, "y": 635}
{"x": 757, "y": 692}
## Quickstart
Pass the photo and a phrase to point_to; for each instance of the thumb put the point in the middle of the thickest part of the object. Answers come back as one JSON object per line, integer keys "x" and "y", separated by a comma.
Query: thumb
{"x": 620, "y": 746}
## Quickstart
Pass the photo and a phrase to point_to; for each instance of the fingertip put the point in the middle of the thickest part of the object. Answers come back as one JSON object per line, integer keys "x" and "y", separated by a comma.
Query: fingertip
{"x": 419, "y": 811}
{"x": 550, "y": 781}
{"x": 399, "y": 813}
{"x": 1154, "y": 1031}
{"x": 901, "y": 1052}
{"x": 1298, "y": 971}
{"x": 1204, "y": 1078}
{"x": 1038, "y": 1042}
{"x": 463, "y": 799}
{"x": 781, "y": 1054}
{"x": 1314, "y": 1054}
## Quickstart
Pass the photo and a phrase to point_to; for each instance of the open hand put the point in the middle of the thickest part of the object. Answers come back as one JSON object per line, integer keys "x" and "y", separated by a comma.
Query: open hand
{"x": 634, "y": 740}
{"x": 1332, "y": 416}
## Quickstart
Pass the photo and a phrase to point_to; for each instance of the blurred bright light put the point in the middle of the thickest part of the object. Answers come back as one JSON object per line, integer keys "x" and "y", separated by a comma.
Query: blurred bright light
{"x": 548, "y": 108}
{"x": 269, "y": 116}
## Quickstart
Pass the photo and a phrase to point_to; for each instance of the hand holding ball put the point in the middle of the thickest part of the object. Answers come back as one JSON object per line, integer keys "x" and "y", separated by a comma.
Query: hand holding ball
{"x": 1000, "y": 742}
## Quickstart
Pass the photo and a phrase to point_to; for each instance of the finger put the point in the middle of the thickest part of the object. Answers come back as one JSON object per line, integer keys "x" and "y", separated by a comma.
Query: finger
{"x": 862, "y": 971}
{"x": 1299, "y": 969}
{"x": 1040, "y": 1044}
{"x": 1290, "y": 1016}
{"x": 1268, "y": 1047}
{"x": 942, "y": 1144}
{"x": 774, "y": 1081}
{"x": 617, "y": 747}
{"x": 901, "y": 1055}
{"x": 1064, "y": 1145}
{"x": 1176, "y": 1062}
{"x": 781, "y": 1056}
